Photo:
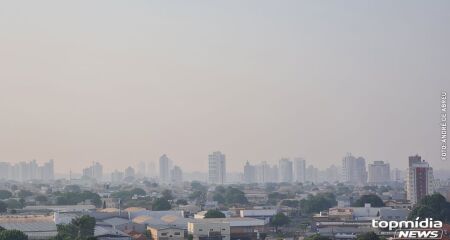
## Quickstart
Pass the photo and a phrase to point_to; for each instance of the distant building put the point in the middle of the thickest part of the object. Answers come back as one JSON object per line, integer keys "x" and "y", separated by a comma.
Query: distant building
{"x": 141, "y": 169}
{"x": 354, "y": 170}
{"x": 397, "y": 175}
{"x": 164, "y": 169}
{"x": 266, "y": 173}
{"x": 299, "y": 172}
{"x": 217, "y": 168}
{"x": 117, "y": 176}
{"x": 419, "y": 179}
{"x": 379, "y": 172}
{"x": 285, "y": 170}
{"x": 312, "y": 174}
{"x": 332, "y": 174}
{"x": 151, "y": 169}
{"x": 95, "y": 171}
{"x": 25, "y": 171}
{"x": 176, "y": 175}
{"x": 249, "y": 173}
{"x": 209, "y": 229}
{"x": 129, "y": 173}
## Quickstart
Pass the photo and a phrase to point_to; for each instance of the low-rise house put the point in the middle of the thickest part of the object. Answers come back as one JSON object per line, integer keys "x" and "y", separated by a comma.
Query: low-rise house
{"x": 240, "y": 228}
{"x": 264, "y": 214}
{"x": 209, "y": 229}
{"x": 109, "y": 233}
{"x": 398, "y": 204}
{"x": 166, "y": 232}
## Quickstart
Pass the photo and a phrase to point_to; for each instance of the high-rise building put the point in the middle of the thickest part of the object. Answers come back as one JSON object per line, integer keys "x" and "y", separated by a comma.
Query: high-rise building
{"x": 217, "y": 168}
{"x": 419, "y": 179}
{"x": 299, "y": 173}
{"x": 354, "y": 170}
{"x": 176, "y": 175}
{"x": 95, "y": 171}
{"x": 249, "y": 173}
{"x": 332, "y": 174}
{"x": 379, "y": 172}
{"x": 5, "y": 169}
{"x": 25, "y": 171}
{"x": 397, "y": 175}
{"x": 151, "y": 169}
{"x": 141, "y": 169}
{"x": 164, "y": 169}
{"x": 116, "y": 176}
{"x": 285, "y": 170}
{"x": 312, "y": 174}
{"x": 129, "y": 173}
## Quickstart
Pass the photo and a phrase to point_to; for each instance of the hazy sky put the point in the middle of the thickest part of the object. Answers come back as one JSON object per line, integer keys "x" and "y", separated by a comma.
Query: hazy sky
{"x": 125, "y": 81}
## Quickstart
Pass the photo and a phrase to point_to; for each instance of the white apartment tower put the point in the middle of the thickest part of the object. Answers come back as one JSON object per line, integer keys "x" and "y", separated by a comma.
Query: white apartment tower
{"x": 285, "y": 170}
{"x": 217, "y": 168}
{"x": 164, "y": 169}
{"x": 299, "y": 170}
{"x": 379, "y": 172}
{"x": 354, "y": 170}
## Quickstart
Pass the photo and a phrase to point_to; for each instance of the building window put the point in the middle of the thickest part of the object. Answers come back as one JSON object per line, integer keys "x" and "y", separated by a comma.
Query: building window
{"x": 163, "y": 234}
{"x": 177, "y": 233}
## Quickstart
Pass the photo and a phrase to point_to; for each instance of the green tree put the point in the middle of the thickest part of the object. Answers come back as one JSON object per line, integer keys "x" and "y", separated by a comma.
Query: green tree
{"x": 161, "y": 204}
{"x": 219, "y": 198}
{"x": 66, "y": 232}
{"x": 72, "y": 188}
{"x": 181, "y": 202}
{"x": 3, "y": 207}
{"x": 368, "y": 236}
{"x": 279, "y": 220}
{"x": 214, "y": 214}
{"x": 13, "y": 204}
{"x": 434, "y": 206}
{"x": 317, "y": 203}
{"x": 41, "y": 199}
{"x": 291, "y": 203}
{"x": 24, "y": 193}
{"x": 12, "y": 235}
{"x": 81, "y": 228}
{"x": 73, "y": 198}
{"x": 373, "y": 199}
{"x": 5, "y": 194}
{"x": 167, "y": 194}
{"x": 85, "y": 225}
{"x": 317, "y": 237}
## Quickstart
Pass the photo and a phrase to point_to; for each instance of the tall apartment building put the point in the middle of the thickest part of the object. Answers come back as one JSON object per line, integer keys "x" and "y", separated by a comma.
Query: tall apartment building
{"x": 217, "y": 168}
{"x": 354, "y": 170}
{"x": 164, "y": 169}
{"x": 379, "y": 172}
{"x": 25, "y": 171}
{"x": 176, "y": 175}
{"x": 312, "y": 174}
{"x": 332, "y": 174}
{"x": 419, "y": 179}
{"x": 299, "y": 172}
{"x": 285, "y": 170}
{"x": 249, "y": 173}
{"x": 95, "y": 171}
{"x": 266, "y": 173}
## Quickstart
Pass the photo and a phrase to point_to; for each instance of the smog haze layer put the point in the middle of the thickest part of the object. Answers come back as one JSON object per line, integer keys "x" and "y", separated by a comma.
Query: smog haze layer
{"x": 122, "y": 82}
